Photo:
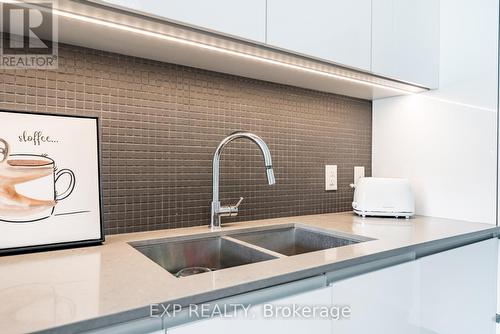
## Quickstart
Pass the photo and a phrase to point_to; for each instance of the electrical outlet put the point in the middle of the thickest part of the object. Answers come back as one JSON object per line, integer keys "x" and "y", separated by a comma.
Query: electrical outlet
{"x": 330, "y": 177}
{"x": 359, "y": 172}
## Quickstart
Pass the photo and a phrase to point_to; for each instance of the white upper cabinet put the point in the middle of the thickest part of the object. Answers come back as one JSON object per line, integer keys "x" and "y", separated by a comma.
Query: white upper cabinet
{"x": 397, "y": 39}
{"x": 242, "y": 18}
{"x": 405, "y": 40}
{"x": 333, "y": 30}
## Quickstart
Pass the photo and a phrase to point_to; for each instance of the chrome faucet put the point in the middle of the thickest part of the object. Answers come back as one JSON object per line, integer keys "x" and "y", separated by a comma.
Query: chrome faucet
{"x": 219, "y": 211}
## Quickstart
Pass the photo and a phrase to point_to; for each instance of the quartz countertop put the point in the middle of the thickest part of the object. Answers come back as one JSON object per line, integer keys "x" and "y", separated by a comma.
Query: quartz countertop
{"x": 99, "y": 285}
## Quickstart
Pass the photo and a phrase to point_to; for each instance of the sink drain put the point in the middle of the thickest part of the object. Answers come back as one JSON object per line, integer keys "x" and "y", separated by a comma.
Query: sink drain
{"x": 192, "y": 271}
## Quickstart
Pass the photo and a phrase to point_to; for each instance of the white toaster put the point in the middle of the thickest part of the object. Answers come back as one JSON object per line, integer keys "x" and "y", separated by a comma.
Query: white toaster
{"x": 374, "y": 196}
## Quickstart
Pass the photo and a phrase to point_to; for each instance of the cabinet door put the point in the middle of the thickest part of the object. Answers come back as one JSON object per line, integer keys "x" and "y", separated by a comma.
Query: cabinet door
{"x": 334, "y": 30}
{"x": 459, "y": 289}
{"x": 498, "y": 290}
{"x": 405, "y": 40}
{"x": 256, "y": 321}
{"x": 241, "y": 18}
{"x": 383, "y": 301}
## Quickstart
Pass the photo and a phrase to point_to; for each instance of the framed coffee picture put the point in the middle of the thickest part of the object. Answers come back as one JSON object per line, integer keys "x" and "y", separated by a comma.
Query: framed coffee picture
{"x": 50, "y": 194}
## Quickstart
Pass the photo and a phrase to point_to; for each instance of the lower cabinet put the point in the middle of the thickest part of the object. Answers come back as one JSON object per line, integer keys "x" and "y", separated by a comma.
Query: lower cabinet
{"x": 458, "y": 289}
{"x": 498, "y": 291}
{"x": 384, "y": 301}
{"x": 451, "y": 292}
{"x": 274, "y": 319}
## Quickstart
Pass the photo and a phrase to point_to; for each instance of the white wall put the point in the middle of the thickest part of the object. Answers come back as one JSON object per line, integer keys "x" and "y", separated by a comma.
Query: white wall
{"x": 444, "y": 141}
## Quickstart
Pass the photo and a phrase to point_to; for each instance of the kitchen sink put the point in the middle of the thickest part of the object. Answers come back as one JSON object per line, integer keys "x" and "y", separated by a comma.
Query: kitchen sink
{"x": 189, "y": 255}
{"x": 211, "y": 253}
{"x": 294, "y": 240}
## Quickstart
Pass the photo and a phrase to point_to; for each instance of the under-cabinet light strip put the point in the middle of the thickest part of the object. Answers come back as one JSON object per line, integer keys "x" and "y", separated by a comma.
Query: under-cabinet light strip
{"x": 223, "y": 50}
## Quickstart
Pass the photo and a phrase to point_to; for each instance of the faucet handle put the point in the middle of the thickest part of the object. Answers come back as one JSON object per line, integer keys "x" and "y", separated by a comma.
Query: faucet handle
{"x": 229, "y": 210}
{"x": 239, "y": 202}
{"x": 233, "y": 210}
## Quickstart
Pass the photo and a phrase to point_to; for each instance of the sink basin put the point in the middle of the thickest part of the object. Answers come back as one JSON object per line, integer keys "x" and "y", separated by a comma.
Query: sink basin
{"x": 213, "y": 252}
{"x": 188, "y": 255}
{"x": 294, "y": 240}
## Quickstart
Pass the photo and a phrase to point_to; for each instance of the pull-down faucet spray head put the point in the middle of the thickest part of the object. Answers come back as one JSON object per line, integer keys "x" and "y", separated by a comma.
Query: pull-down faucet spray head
{"x": 270, "y": 175}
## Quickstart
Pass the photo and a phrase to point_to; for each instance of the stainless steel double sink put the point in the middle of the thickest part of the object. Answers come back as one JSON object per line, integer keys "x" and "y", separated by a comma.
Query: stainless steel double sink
{"x": 220, "y": 250}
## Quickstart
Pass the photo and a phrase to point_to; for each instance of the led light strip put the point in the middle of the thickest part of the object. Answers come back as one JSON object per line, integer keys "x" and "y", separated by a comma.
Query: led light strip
{"x": 223, "y": 50}
{"x": 148, "y": 33}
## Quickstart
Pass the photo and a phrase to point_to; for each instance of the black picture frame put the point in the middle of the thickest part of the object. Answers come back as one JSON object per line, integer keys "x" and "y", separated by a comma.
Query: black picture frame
{"x": 69, "y": 244}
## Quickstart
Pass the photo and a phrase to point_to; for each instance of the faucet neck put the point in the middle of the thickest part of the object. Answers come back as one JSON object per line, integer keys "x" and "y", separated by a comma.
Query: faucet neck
{"x": 266, "y": 154}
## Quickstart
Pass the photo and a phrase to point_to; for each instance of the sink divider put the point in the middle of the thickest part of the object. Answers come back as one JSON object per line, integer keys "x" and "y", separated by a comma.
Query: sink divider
{"x": 255, "y": 247}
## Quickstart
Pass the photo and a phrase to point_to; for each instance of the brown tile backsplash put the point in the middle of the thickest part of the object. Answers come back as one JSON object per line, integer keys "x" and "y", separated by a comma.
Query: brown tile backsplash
{"x": 160, "y": 124}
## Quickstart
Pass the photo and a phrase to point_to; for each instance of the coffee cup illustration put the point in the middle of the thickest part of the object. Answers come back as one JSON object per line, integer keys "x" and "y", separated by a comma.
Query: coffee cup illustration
{"x": 28, "y": 184}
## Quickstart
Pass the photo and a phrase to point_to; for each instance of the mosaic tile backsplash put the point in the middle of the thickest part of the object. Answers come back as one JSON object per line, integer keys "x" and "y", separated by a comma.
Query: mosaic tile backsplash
{"x": 160, "y": 124}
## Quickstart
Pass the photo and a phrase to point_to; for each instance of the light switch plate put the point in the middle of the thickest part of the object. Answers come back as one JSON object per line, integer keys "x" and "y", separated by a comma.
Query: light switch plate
{"x": 359, "y": 172}
{"x": 330, "y": 177}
